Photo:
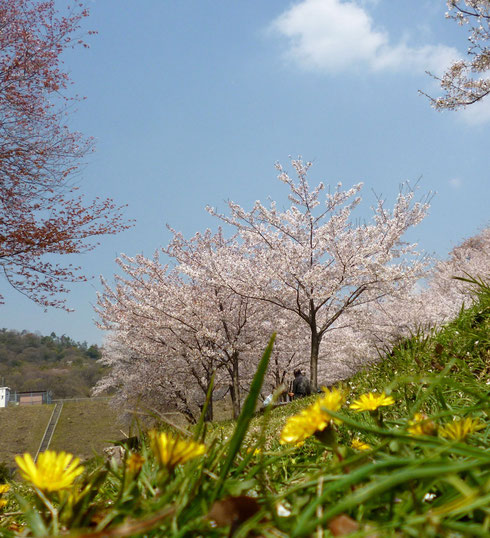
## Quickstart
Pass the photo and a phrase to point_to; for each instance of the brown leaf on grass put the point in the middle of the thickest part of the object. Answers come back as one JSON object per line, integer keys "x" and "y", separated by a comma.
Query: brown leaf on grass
{"x": 436, "y": 365}
{"x": 128, "y": 528}
{"x": 342, "y": 525}
{"x": 15, "y": 527}
{"x": 233, "y": 511}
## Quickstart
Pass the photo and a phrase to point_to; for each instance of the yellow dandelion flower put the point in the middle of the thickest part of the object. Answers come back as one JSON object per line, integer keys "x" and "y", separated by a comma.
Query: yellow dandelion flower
{"x": 134, "y": 464}
{"x": 256, "y": 451}
{"x": 3, "y": 489}
{"x": 371, "y": 402}
{"x": 296, "y": 430}
{"x": 357, "y": 444}
{"x": 312, "y": 419}
{"x": 331, "y": 400}
{"x": 420, "y": 424}
{"x": 460, "y": 428}
{"x": 52, "y": 472}
{"x": 171, "y": 451}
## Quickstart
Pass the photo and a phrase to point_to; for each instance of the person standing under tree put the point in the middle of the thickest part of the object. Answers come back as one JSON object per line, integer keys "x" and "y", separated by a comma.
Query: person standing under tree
{"x": 301, "y": 385}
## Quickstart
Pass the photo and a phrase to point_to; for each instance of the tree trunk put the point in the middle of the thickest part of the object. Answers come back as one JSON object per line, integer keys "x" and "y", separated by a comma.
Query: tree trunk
{"x": 277, "y": 377}
{"x": 204, "y": 386}
{"x": 185, "y": 408}
{"x": 209, "y": 412}
{"x": 315, "y": 348}
{"x": 235, "y": 385}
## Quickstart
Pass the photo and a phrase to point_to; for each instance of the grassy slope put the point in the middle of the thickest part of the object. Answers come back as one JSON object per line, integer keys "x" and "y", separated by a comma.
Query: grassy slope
{"x": 383, "y": 490}
{"x": 462, "y": 347}
{"x": 21, "y": 430}
{"x": 445, "y": 374}
{"x": 465, "y": 341}
{"x": 86, "y": 427}
{"x": 89, "y": 426}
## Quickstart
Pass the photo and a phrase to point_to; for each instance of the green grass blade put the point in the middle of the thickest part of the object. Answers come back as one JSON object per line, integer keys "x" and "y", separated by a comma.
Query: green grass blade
{"x": 33, "y": 518}
{"x": 209, "y": 395}
{"x": 307, "y": 523}
{"x": 245, "y": 417}
{"x": 459, "y": 448}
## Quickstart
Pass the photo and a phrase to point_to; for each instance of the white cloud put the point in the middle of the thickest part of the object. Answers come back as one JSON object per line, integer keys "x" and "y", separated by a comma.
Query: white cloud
{"x": 335, "y": 35}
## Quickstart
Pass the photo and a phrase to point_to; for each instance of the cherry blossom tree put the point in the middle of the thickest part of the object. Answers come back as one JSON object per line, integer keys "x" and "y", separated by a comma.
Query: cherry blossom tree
{"x": 291, "y": 350}
{"x": 152, "y": 311}
{"x": 433, "y": 303}
{"x": 313, "y": 261}
{"x": 466, "y": 81}
{"x": 369, "y": 332}
{"x": 445, "y": 295}
{"x": 148, "y": 378}
{"x": 41, "y": 213}
{"x": 238, "y": 322}
{"x": 174, "y": 316}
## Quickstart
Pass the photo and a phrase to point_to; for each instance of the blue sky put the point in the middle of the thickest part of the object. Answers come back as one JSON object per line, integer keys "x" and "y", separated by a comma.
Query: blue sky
{"x": 191, "y": 103}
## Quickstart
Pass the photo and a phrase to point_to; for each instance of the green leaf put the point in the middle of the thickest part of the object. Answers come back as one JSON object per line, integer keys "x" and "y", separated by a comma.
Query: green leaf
{"x": 306, "y": 523}
{"x": 244, "y": 418}
{"x": 200, "y": 425}
{"x": 33, "y": 518}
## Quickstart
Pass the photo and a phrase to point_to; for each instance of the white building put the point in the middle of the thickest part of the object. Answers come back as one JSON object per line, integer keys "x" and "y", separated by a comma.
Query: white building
{"x": 4, "y": 396}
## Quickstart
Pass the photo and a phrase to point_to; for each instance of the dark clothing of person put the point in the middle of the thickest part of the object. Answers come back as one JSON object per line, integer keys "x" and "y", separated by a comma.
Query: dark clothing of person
{"x": 301, "y": 386}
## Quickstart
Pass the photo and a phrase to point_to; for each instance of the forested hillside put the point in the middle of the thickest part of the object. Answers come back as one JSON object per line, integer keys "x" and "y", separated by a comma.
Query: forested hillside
{"x": 30, "y": 361}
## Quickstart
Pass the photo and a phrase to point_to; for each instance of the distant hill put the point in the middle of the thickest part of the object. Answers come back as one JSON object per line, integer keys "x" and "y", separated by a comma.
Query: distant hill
{"x": 31, "y": 361}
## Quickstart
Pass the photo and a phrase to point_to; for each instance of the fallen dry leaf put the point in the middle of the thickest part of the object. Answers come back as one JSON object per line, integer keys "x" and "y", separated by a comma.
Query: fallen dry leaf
{"x": 342, "y": 525}
{"x": 233, "y": 511}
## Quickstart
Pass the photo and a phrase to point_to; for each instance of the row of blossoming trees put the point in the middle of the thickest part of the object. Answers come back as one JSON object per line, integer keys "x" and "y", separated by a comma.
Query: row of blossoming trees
{"x": 334, "y": 289}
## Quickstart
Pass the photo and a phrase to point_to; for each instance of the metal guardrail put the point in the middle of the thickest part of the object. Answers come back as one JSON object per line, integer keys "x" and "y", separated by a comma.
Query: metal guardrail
{"x": 62, "y": 400}
{"x": 45, "y": 396}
